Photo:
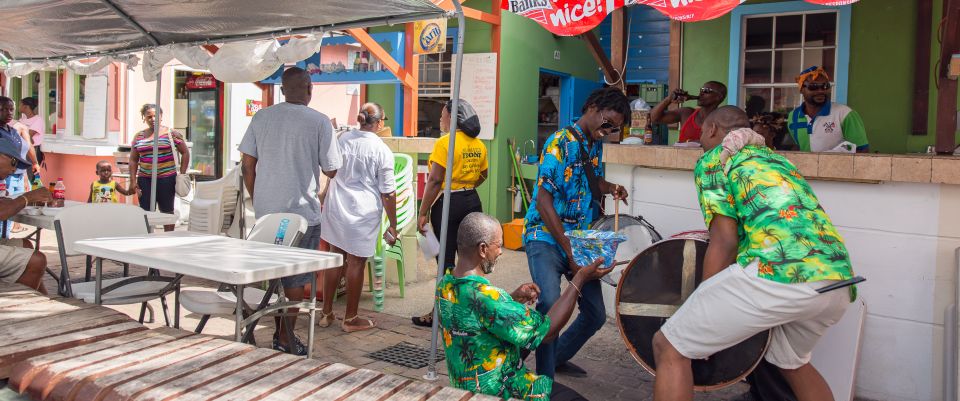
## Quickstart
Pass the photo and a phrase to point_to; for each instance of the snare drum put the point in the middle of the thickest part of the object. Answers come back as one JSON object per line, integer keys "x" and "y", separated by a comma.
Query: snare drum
{"x": 640, "y": 234}
{"x": 652, "y": 288}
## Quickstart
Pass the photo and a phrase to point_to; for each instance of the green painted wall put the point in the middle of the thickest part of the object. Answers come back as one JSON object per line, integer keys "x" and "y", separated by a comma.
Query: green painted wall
{"x": 525, "y": 49}
{"x": 880, "y": 86}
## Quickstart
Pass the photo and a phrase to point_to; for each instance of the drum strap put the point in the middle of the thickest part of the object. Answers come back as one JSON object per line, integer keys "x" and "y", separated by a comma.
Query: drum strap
{"x": 592, "y": 181}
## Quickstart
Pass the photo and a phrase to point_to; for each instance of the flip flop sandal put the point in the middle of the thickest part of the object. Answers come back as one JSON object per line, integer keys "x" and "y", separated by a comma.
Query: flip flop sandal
{"x": 325, "y": 320}
{"x": 350, "y": 328}
{"x": 423, "y": 321}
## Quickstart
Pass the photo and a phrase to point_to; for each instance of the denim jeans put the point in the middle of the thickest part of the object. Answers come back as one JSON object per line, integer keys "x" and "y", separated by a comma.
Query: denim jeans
{"x": 547, "y": 264}
{"x": 15, "y": 186}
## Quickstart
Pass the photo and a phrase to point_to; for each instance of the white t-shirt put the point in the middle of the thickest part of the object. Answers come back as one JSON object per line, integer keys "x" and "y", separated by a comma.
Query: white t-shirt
{"x": 353, "y": 209}
{"x": 292, "y": 143}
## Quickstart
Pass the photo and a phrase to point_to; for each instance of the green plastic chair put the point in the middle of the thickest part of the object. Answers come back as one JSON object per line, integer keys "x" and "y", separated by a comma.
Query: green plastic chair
{"x": 406, "y": 215}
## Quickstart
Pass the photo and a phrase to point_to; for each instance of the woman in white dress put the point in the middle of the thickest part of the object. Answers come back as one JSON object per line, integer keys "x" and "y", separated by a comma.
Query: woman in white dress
{"x": 352, "y": 211}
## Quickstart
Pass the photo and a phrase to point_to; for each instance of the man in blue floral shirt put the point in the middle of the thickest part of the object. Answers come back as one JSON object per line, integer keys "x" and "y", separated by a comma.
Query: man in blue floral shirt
{"x": 570, "y": 181}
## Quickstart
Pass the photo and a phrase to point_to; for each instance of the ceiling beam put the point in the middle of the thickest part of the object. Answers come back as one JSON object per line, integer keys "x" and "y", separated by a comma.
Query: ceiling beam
{"x": 385, "y": 58}
{"x": 600, "y": 56}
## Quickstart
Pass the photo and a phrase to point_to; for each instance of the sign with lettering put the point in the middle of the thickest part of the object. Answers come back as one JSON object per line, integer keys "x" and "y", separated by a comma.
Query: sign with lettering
{"x": 833, "y": 3}
{"x": 253, "y": 106}
{"x": 478, "y": 85}
{"x": 430, "y": 36}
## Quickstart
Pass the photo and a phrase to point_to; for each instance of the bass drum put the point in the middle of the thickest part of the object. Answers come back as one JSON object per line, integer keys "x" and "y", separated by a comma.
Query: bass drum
{"x": 640, "y": 234}
{"x": 652, "y": 288}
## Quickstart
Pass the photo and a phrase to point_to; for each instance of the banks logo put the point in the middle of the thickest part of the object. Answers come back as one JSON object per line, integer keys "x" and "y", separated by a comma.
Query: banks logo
{"x": 524, "y": 6}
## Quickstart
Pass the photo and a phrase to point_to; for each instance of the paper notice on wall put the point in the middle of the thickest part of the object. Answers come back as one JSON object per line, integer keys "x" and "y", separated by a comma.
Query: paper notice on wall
{"x": 478, "y": 86}
{"x": 95, "y": 107}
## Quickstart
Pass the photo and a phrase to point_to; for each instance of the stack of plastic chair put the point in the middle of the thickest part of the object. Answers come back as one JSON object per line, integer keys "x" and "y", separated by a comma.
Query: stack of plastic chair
{"x": 214, "y": 204}
{"x": 406, "y": 217}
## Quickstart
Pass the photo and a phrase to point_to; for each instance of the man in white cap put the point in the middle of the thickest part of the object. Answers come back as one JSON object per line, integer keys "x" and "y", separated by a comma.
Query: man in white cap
{"x": 19, "y": 263}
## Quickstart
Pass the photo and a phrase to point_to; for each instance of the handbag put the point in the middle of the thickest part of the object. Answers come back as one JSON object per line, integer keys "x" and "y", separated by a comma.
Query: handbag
{"x": 182, "y": 187}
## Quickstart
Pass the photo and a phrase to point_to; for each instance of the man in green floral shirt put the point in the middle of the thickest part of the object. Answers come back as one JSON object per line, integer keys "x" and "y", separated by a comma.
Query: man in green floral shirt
{"x": 772, "y": 246}
{"x": 485, "y": 329}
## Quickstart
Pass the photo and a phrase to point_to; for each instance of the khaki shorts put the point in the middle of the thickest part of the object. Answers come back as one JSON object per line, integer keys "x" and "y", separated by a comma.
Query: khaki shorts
{"x": 735, "y": 304}
{"x": 13, "y": 259}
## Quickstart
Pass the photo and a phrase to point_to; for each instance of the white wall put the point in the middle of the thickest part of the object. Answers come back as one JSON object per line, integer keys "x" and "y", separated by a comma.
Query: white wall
{"x": 901, "y": 237}
{"x": 236, "y": 116}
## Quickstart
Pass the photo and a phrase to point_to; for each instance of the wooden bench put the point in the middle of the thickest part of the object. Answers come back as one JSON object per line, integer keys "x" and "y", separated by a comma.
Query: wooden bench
{"x": 61, "y": 350}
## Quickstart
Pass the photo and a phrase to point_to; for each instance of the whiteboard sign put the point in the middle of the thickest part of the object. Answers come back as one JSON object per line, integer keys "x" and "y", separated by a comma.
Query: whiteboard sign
{"x": 95, "y": 107}
{"x": 478, "y": 86}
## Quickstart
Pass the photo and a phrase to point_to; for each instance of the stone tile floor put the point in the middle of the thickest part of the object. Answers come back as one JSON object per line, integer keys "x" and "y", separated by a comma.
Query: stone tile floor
{"x": 614, "y": 375}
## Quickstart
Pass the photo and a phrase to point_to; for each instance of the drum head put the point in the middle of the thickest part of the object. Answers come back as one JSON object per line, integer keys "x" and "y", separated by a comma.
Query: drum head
{"x": 651, "y": 289}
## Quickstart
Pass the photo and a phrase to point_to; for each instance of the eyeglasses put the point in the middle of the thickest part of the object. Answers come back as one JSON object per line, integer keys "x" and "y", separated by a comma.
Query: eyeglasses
{"x": 708, "y": 90}
{"x": 817, "y": 87}
{"x": 606, "y": 125}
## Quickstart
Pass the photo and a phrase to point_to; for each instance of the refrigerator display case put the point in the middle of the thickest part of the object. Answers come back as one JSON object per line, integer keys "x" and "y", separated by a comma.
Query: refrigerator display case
{"x": 204, "y": 126}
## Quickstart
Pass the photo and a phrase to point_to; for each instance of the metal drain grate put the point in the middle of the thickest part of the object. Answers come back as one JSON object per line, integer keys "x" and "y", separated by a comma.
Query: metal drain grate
{"x": 405, "y": 354}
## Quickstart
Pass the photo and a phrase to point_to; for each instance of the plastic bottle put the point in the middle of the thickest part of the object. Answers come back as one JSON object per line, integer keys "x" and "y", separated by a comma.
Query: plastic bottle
{"x": 3, "y": 190}
{"x": 59, "y": 192}
{"x": 37, "y": 184}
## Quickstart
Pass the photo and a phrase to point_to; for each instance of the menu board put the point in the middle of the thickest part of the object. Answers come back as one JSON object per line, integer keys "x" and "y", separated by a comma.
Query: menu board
{"x": 478, "y": 85}
{"x": 95, "y": 107}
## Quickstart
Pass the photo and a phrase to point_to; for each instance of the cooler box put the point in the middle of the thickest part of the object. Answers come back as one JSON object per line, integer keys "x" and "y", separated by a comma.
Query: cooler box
{"x": 513, "y": 234}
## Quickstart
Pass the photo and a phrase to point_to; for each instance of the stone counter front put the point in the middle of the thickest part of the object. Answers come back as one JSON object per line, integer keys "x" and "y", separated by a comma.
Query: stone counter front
{"x": 863, "y": 167}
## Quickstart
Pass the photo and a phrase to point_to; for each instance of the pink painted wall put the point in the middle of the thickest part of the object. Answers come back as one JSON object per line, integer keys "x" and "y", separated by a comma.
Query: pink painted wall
{"x": 77, "y": 173}
{"x": 333, "y": 99}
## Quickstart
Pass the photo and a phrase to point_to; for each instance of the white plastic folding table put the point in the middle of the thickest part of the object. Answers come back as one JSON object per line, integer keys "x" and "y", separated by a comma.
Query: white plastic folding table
{"x": 42, "y": 221}
{"x": 217, "y": 258}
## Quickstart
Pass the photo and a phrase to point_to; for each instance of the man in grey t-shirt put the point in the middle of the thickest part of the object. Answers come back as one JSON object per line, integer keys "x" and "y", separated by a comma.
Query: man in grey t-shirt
{"x": 284, "y": 150}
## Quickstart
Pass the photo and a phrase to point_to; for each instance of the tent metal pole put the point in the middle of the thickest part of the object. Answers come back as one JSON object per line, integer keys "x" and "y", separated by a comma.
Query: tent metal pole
{"x": 444, "y": 224}
{"x": 126, "y": 17}
{"x": 156, "y": 144}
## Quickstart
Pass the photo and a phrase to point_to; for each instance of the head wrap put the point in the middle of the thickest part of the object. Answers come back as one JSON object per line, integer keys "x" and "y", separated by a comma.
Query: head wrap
{"x": 811, "y": 73}
{"x": 737, "y": 140}
{"x": 467, "y": 119}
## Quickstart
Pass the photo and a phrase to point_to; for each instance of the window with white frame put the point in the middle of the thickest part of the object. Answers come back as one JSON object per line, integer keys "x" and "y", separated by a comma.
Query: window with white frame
{"x": 435, "y": 72}
{"x": 776, "y": 48}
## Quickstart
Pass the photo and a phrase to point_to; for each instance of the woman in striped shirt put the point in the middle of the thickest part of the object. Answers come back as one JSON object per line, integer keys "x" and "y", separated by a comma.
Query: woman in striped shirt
{"x": 141, "y": 162}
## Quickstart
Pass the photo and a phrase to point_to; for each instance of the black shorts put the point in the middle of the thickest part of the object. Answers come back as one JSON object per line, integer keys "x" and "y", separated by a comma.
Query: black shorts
{"x": 166, "y": 192}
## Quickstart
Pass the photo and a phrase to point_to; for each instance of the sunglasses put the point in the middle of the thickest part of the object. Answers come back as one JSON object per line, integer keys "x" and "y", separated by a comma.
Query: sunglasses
{"x": 606, "y": 125}
{"x": 708, "y": 90}
{"x": 818, "y": 87}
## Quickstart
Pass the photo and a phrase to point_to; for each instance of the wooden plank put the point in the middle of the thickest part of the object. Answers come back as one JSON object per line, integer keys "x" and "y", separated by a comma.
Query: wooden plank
{"x": 176, "y": 376}
{"x": 345, "y": 386}
{"x": 38, "y": 310}
{"x": 71, "y": 382}
{"x": 52, "y": 325}
{"x": 24, "y": 372}
{"x": 275, "y": 381}
{"x": 383, "y": 387}
{"x": 13, "y": 353}
{"x": 229, "y": 374}
{"x": 310, "y": 384}
{"x": 95, "y": 388}
{"x": 32, "y": 332}
{"x": 47, "y": 378}
{"x": 416, "y": 391}
{"x": 13, "y": 287}
{"x": 648, "y": 310}
{"x": 19, "y": 298}
{"x": 451, "y": 394}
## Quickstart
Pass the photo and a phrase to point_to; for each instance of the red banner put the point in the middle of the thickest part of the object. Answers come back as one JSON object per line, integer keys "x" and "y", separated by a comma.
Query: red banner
{"x": 832, "y": 2}
{"x": 574, "y": 17}
{"x": 564, "y": 17}
{"x": 691, "y": 10}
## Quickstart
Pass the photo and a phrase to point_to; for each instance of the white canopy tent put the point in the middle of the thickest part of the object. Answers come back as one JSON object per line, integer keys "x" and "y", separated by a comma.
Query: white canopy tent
{"x": 43, "y": 33}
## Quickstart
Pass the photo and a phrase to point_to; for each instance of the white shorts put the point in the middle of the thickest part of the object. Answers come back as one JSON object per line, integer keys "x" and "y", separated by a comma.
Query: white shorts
{"x": 736, "y": 304}
{"x": 13, "y": 259}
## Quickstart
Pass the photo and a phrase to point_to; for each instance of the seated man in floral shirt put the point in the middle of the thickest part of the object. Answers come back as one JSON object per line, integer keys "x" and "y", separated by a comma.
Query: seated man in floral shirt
{"x": 485, "y": 329}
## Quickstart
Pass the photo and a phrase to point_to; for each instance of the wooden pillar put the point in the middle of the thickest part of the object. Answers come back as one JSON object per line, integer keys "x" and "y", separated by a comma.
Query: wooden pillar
{"x": 593, "y": 44}
{"x": 619, "y": 29}
{"x": 411, "y": 93}
{"x": 947, "y": 95}
{"x": 921, "y": 75}
{"x": 676, "y": 56}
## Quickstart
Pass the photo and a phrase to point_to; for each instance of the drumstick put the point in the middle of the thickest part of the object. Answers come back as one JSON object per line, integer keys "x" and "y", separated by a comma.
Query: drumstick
{"x": 616, "y": 214}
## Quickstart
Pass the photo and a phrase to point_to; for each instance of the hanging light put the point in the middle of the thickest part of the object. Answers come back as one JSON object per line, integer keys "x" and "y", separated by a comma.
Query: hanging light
{"x": 691, "y": 10}
{"x": 833, "y": 3}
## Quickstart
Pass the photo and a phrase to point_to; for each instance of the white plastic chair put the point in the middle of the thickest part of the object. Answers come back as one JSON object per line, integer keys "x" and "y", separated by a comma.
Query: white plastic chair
{"x": 88, "y": 221}
{"x": 283, "y": 229}
{"x": 214, "y": 204}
